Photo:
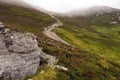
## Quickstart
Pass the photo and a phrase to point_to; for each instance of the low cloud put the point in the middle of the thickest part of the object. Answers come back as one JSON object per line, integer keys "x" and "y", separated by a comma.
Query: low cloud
{"x": 16, "y": 3}
{"x": 22, "y": 3}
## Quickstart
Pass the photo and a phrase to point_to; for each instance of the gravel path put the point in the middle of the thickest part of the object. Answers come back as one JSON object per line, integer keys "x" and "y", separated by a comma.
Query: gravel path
{"x": 48, "y": 31}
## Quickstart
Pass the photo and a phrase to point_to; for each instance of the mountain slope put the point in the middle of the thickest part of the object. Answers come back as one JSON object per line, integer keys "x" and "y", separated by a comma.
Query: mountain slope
{"x": 24, "y": 19}
{"x": 96, "y": 52}
{"x": 95, "y": 10}
{"x": 99, "y": 36}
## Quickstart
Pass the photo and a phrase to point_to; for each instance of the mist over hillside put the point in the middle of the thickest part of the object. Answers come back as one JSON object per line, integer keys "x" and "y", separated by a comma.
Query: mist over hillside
{"x": 95, "y": 10}
{"x": 17, "y": 3}
{"x": 22, "y": 3}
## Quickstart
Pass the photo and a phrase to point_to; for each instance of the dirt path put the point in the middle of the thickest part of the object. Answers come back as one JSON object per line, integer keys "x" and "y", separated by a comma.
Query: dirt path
{"x": 48, "y": 31}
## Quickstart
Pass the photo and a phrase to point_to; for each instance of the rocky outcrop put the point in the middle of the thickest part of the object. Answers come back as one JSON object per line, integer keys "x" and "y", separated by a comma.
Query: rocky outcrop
{"x": 51, "y": 60}
{"x": 19, "y": 55}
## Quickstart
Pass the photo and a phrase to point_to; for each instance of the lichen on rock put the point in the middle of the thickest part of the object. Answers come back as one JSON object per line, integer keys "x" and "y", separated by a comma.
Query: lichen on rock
{"x": 19, "y": 55}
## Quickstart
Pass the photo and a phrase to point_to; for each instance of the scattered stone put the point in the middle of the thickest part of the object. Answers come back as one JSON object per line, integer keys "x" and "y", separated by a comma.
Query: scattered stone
{"x": 113, "y": 22}
{"x": 51, "y": 60}
{"x": 42, "y": 71}
{"x": 30, "y": 79}
{"x": 60, "y": 67}
{"x": 20, "y": 55}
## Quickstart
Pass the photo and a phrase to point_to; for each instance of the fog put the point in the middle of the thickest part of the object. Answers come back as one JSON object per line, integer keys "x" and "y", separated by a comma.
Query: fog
{"x": 17, "y": 3}
{"x": 67, "y": 5}
{"x": 12, "y": 1}
{"x": 63, "y": 5}
{"x": 25, "y": 4}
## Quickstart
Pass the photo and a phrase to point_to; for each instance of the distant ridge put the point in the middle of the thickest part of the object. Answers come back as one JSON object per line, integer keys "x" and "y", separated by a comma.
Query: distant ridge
{"x": 95, "y": 10}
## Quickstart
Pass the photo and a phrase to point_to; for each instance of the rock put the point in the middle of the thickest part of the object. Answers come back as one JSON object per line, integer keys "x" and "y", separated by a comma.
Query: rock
{"x": 19, "y": 55}
{"x": 60, "y": 67}
{"x": 30, "y": 79}
{"x": 113, "y": 22}
{"x": 23, "y": 42}
{"x": 51, "y": 60}
{"x": 42, "y": 71}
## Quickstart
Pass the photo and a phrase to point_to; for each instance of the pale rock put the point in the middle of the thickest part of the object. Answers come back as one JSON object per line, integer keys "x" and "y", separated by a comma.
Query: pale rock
{"x": 19, "y": 55}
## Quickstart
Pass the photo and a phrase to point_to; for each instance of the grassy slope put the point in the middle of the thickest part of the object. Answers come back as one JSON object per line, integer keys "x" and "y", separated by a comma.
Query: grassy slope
{"x": 82, "y": 64}
{"x": 100, "y": 39}
{"x": 48, "y": 74}
{"x": 29, "y": 20}
{"x": 24, "y": 18}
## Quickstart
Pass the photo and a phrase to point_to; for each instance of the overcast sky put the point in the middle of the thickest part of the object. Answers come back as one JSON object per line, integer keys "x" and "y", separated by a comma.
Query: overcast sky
{"x": 67, "y": 5}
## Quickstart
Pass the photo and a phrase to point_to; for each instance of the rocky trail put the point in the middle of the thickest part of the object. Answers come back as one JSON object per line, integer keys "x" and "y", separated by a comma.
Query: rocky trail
{"x": 48, "y": 31}
{"x": 20, "y": 55}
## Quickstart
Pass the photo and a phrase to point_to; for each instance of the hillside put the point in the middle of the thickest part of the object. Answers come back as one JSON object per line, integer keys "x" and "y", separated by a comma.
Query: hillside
{"x": 96, "y": 41}
{"x": 99, "y": 36}
{"x": 23, "y": 19}
{"x": 95, "y": 10}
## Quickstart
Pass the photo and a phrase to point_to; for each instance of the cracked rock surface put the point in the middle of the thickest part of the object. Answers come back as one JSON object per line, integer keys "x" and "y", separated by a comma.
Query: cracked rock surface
{"x": 19, "y": 55}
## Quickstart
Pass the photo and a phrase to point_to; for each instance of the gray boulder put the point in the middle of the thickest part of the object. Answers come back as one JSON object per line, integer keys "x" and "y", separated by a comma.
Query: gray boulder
{"x": 19, "y": 55}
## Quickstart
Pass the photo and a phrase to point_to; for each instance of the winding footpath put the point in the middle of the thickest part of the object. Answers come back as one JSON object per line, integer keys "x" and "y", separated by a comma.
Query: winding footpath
{"x": 48, "y": 31}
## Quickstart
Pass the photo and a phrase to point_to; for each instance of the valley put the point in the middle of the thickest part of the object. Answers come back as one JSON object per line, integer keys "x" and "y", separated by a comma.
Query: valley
{"x": 96, "y": 41}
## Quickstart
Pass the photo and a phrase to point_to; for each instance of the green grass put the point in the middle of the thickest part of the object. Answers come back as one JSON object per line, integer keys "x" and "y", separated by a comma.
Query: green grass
{"x": 48, "y": 74}
{"x": 29, "y": 20}
{"x": 24, "y": 19}
{"x": 101, "y": 40}
{"x": 96, "y": 52}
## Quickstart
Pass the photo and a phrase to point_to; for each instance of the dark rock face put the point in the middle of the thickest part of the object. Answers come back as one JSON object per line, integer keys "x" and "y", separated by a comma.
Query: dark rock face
{"x": 19, "y": 55}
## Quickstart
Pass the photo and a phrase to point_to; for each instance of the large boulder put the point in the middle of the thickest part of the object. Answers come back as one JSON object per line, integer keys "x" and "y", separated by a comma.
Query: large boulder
{"x": 19, "y": 55}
